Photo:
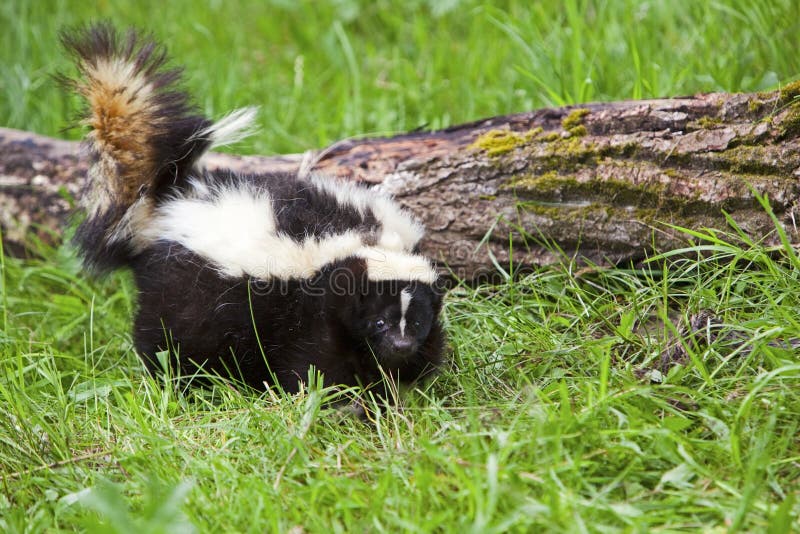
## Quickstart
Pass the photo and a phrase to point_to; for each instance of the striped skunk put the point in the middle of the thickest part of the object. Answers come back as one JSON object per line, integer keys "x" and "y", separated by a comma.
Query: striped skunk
{"x": 255, "y": 277}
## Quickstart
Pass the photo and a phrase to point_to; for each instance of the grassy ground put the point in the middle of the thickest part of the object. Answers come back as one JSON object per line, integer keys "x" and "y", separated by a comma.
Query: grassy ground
{"x": 549, "y": 416}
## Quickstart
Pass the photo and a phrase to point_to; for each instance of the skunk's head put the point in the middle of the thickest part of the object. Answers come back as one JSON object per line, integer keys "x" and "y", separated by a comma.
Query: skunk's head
{"x": 395, "y": 318}
{"x": 393, "y": 311}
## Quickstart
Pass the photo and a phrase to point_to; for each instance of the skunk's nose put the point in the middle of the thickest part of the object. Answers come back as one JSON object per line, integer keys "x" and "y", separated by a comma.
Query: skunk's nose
{"x": 403, "y": 344}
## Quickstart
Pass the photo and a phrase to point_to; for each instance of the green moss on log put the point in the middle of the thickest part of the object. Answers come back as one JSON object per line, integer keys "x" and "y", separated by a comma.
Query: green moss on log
{"x": 708, "y": 123}
{"x": 498, "y": 142}
{"x": 790, "y": 91}
{"x": 575, "y": 118}
{"x": 790, "y": 125}
{"x": 573, "y": 123}
{"x": 748, "y": 159}
{"x": 561, "y": 187}
{"x": 755, "y": 105}
{"x": 571, "y": 215}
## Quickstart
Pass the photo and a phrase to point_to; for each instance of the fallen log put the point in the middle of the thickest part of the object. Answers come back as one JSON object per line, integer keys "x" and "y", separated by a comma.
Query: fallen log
{"x": 601, "y": 182}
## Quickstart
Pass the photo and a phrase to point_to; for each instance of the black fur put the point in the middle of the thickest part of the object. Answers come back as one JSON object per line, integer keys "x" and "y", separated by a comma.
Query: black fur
{"x": 270, "y": 332}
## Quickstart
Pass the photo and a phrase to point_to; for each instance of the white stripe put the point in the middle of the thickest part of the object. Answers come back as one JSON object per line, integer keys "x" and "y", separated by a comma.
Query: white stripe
{"x": 384, "y": 265}
{"x": 230, "y": 129}
{"x": 400, "y": 231}
{"x": 235, "y": 229}
{"x": 405, "y": 300}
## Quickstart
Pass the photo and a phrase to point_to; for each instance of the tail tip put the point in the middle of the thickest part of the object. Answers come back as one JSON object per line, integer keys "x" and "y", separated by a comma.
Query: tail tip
{"x": 230, "y": 129}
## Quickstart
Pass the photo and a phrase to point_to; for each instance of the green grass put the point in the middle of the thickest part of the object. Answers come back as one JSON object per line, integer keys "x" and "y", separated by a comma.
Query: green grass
{"x": 325, "y": 70}
{"x": 548, "y": 417}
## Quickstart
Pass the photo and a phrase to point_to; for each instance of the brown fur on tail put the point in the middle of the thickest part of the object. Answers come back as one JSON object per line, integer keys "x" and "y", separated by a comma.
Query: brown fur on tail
{"x": 144, "y": 136}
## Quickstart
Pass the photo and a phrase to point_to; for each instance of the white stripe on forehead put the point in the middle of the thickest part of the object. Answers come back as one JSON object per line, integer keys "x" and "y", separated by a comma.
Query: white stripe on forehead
{"x": 405, "y": 300}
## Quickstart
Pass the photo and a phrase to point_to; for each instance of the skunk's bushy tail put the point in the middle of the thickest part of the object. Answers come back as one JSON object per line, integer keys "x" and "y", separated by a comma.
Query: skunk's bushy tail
{"x": 145, "y": 139}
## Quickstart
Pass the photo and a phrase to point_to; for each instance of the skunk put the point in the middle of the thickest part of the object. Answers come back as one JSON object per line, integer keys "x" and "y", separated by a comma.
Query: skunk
{"x": 255, "y": 277}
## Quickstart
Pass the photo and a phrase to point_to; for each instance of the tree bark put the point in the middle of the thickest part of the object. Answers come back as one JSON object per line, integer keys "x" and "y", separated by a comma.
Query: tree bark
{"x": 599, "y": 182}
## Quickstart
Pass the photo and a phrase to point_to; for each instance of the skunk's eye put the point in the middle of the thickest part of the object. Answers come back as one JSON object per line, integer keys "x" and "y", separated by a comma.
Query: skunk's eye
{"x": 380, "y": 323}
{"x": 416, "y": 323}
